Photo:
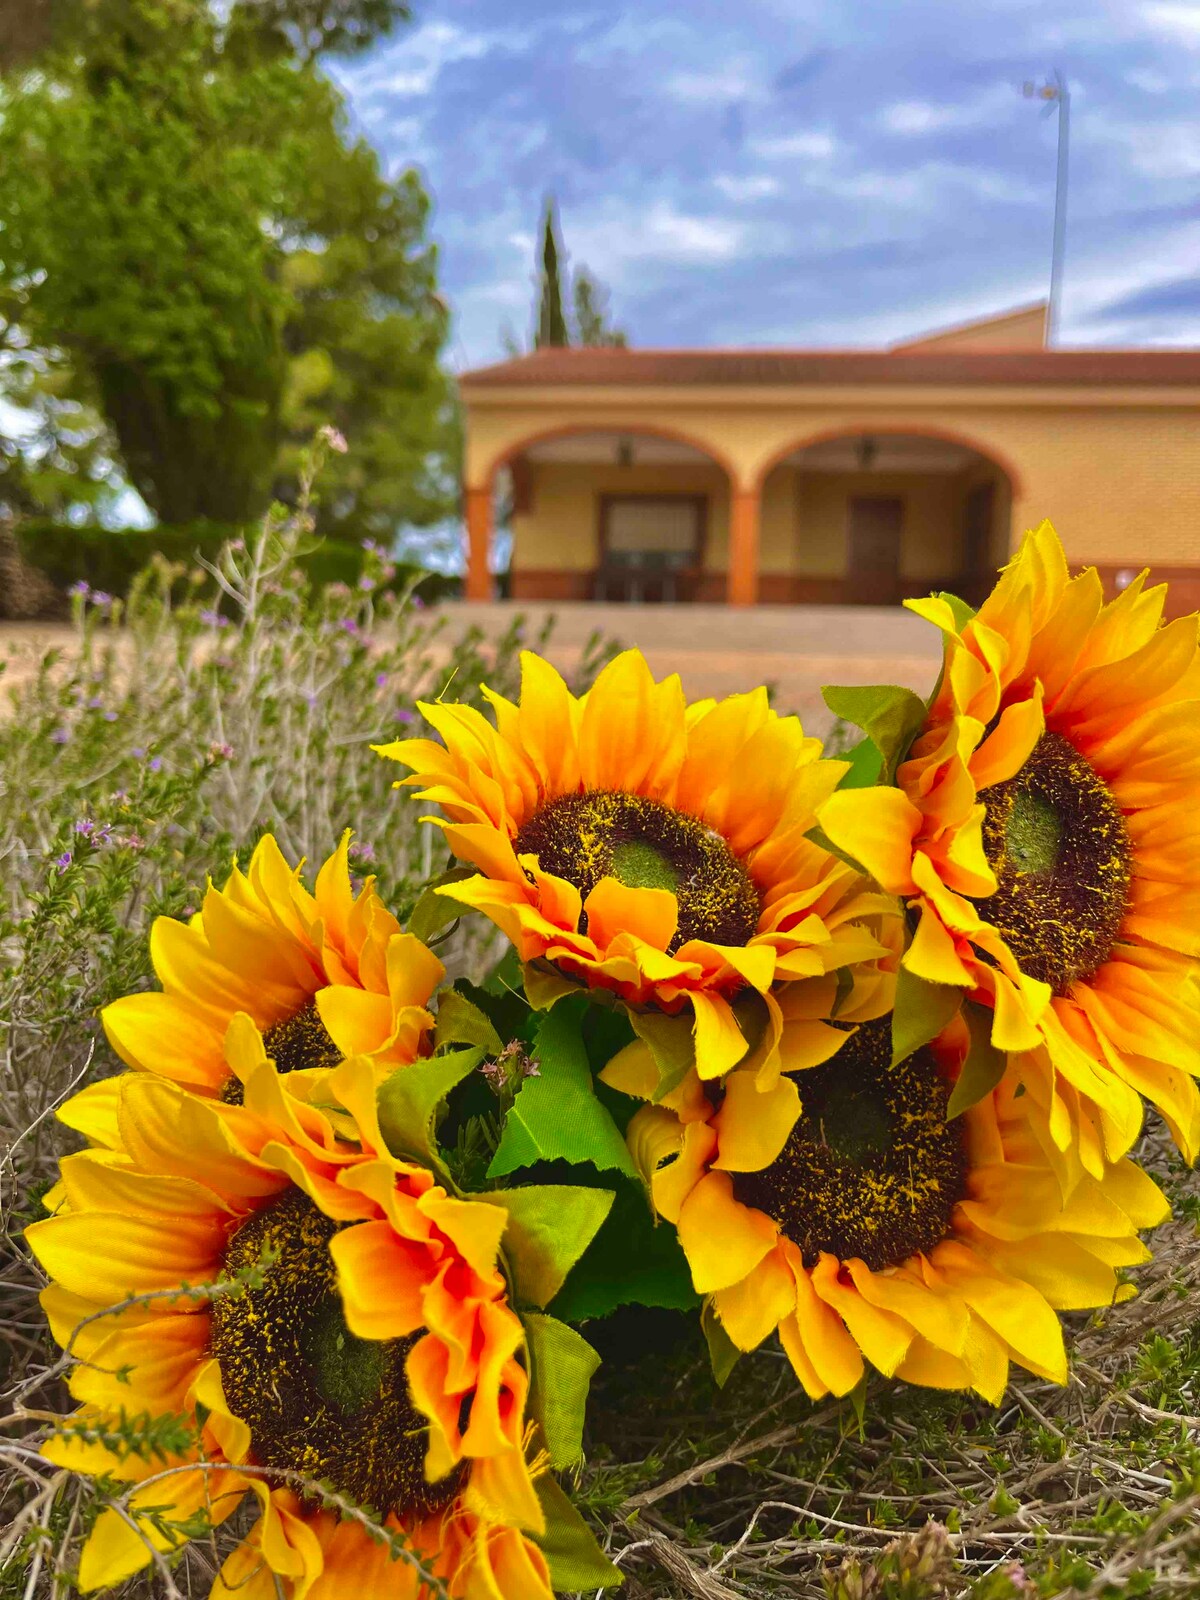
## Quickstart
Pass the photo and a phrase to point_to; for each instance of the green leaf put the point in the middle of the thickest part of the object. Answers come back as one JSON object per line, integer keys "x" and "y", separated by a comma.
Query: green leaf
{"x": 921, "y": 1010}
{"x": 549, "y": 1227}
{"x": 576, "y": 1561}
{"x": 866, "y": 764}
{"x": 631, "y": 1261}
{"x": 435, "y": 912}
{"x": 409, "y": 1102}
{"x": 963, "y": 613}
{"x": 672, "y": 1043}
{"x": 722, "y": 1352}
{"x": 461, "y": 1022}
{"x": 561, "y": 1364}
{"x": 556, "y": 1116}
{"x": 890, "y": 716}
{"x": 983, "y": 1068}
{"x": 820, "y": 838}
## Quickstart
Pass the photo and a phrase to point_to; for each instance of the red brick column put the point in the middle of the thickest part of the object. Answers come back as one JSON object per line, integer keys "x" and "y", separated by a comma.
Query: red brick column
{"x": 479, "y": 543}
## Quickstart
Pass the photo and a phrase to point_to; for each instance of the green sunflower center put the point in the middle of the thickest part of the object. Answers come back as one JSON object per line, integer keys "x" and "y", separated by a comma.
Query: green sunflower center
{"x": 1061, "y": 852}
{"x": 299, "y": 1041}
{"x": 872, "y": 1168}
{"x": 317, "y": 1399}
{"x": 647, "y": 845}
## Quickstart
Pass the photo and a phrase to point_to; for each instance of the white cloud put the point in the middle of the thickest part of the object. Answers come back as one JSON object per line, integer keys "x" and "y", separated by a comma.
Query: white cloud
{"x": 910, "y": 118}
{"x": 1181, "y": 22}
{"x": 812, "y": 145}
{"x": 412, "y": 64}
{"x": 1147, "y": 81}
{"x": 754, "y": 186}
{"x": 728, "y": 83}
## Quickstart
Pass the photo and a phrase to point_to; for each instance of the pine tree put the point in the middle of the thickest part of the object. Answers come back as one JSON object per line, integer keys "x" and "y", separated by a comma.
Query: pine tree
{"x": 552, "y": 319}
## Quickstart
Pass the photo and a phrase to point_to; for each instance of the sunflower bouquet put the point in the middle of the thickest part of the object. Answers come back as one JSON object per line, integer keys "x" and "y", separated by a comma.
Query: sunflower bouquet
{"x": 848, "y": 1052}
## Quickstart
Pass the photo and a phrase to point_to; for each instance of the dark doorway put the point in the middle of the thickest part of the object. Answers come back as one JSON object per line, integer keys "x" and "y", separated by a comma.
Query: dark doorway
{"x": 873, "y": 566}
{"x": 978, "y": 575}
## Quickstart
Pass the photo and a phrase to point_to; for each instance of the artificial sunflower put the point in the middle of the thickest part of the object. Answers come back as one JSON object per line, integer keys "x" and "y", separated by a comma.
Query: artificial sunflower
{"x": 322, "y": 975}
{"x": 371, "y": 1348}
{"x": 875, "y": 1228}
{"x": 1045, "y": 834}
{"x": 633, "y": 843}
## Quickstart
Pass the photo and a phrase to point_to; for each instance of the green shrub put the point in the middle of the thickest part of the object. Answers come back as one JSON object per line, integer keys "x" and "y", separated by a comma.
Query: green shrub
{"x": 108, "y": 560}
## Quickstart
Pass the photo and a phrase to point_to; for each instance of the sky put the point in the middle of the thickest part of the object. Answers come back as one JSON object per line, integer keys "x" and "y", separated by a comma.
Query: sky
{"x": 800, "y": 172}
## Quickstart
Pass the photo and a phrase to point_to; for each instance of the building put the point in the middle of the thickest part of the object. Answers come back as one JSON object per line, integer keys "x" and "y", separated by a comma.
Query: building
{"x": 788, "y": 476}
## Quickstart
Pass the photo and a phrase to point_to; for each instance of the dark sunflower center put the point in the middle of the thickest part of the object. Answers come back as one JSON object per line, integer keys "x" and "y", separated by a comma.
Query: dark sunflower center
{"x": 318, "y": 1400}
{"x": 647, "y": 845}
{"x": 299, "y": 1041}
{"x": 872, "y": 1168}
{"x": 1057, "y": 842}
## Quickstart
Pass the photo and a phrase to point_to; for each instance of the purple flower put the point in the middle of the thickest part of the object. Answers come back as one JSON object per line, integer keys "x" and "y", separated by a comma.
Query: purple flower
{"x": 99, "y": 598}
{"x": 110, "y": 716}
{"x": 80, "y": 589}
{"x": 137, "y": 752}
{"x": 213, "y": 619}
{"x": 364, "y": 850}
{"x": 60, "y": 736}
{"x": 348, "y": 625}
{"x": 365, "y": 582}
{"x": 156, "y": 764}
{"x": 95, "y": 703}
{"x": 311, "y": 698}
{"x": 381, "y": 680}
{"x": 404, "y": 715}
{"x": 219, "y": 751}
{"x": 62, "y": 862}
{"x": 85, "y": 828}
{"x": 418, "y": 603}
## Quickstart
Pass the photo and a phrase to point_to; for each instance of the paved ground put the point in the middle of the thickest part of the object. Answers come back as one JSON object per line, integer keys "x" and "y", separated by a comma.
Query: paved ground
{"x": 716, "y": 650}
{"x": 719, "y": 651}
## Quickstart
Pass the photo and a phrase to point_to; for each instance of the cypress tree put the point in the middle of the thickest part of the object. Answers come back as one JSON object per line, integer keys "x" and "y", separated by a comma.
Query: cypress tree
{"x": 552, "y": 319}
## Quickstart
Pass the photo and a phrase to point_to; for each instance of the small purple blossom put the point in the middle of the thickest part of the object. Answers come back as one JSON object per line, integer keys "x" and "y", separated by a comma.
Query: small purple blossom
{"x": 311, "y": 698}
{"x": 110, "y": 716}
{"x": 381, "y": 680}
{"x": 364, "y": 850}
{"x": 63, "y": 861}
{"x": 418, "y": 603}
{"x": 238, "y": 545}
{"x": 404, "y": 715}
{"x": 348, "y": 625}
{"x": 138, "y": 752}
{"x": 60, "y": 736}
{"x": 101, "y": 599}
{"x": 219, "y": 751}
{"x": 366, "y": 582}
{"x": 80, "y": 589}
{"x": 85, "y": 828}
{"x": 95, "y": 703}
{"x": 132, "y": 841}
{"x": 338, "y": 588}
{"x": 213, "y": 619}
{"x": 156, "y": 764}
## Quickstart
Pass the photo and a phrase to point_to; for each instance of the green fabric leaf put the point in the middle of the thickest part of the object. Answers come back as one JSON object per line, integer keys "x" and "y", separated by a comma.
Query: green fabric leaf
{"x": 434, "y": 912}
{"x": 672, "y": 1043}
{"x": 561, "y": 1364}
{"x": 890, "y": 716}
{"x": 632, "y": 1261}
{"x": 556, "y": 1116}
{"x": 576, "y": 1561}
{"x": 921, "y": 1010}
{"x": 722, "y": 1352}
{"x": 984, "y": 1066}
{"x": 550, "y": 1225}
{"x": 963, "y": 613}
{"x": 866, "y": 765}
{"x": 459, "y": 1021}
{"x": 410, "y": 1099}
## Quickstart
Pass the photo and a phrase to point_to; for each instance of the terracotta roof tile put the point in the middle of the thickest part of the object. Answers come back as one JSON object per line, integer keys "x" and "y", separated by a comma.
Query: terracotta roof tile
{"x": 1090, "y": 367}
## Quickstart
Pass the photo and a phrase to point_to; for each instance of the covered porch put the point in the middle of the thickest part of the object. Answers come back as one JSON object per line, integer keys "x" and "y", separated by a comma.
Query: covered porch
{"x": 630, "y": 515}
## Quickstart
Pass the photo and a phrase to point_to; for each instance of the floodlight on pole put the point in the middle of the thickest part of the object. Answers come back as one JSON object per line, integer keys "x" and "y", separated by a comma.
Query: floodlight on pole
{"x": 1057, "y": 97}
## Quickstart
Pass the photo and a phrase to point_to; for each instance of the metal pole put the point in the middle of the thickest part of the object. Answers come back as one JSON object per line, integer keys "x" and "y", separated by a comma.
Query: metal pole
{"x": 1063, "y": 97}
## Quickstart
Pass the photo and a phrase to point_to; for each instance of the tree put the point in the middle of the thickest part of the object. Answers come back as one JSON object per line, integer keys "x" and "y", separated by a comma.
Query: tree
{"x": 183, "y": 215}
{"x": 552, "y": 320}
{"x": 591, "y": 313}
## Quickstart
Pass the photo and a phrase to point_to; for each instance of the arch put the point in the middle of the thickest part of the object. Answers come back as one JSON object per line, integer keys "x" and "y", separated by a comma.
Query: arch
{"x": 653, "y": 430}
{"x": 899, "y": 429}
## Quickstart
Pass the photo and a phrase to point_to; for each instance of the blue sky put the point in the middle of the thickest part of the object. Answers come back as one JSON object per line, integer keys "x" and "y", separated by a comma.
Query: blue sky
{"x": 805, "y": 172}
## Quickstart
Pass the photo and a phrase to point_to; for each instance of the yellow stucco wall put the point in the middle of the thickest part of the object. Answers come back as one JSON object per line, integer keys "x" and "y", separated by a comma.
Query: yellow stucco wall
{"x": 560, "y": 531}
{"x": 1118, "y": 471}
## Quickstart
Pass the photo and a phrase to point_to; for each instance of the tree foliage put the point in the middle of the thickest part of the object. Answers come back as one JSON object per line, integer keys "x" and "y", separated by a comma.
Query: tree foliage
{"x": 552, "y": 319}
{"x": 588, "y": 322}
{"x": 184, "y": 216}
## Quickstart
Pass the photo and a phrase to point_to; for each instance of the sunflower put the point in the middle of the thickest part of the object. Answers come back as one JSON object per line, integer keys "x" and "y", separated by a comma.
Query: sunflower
{"x": 875, "y": 1228}
{"x": 1045, "y": 834}
{"x": 629, "y": 842}
{"x": 369, "y": 1357}
{"x": 322, "y": 975}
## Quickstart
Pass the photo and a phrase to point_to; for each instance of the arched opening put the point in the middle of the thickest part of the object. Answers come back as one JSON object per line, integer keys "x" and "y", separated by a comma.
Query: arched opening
{"x": 874, "y": 517}
{"x": 614, "y": 514}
